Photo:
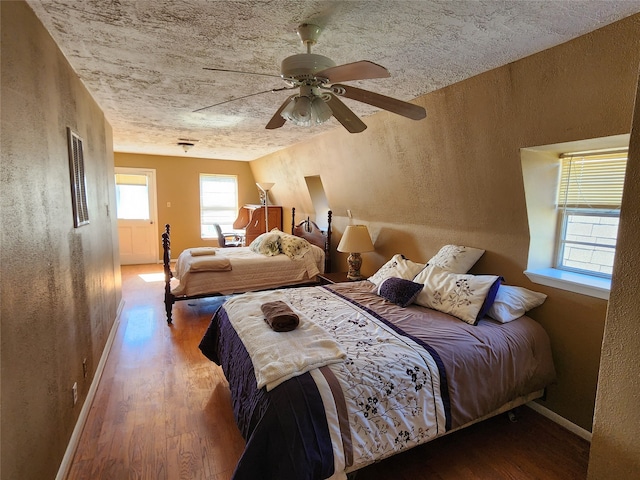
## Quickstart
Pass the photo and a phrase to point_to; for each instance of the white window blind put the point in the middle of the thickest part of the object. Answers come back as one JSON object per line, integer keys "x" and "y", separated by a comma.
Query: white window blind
{"x": 218, "y": 203}
{"x": 589, "y": 200}
{"x": 592, "y": 181}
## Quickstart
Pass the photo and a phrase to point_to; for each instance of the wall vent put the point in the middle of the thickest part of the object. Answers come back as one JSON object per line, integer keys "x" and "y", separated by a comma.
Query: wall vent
{"x": 78, "y": 180}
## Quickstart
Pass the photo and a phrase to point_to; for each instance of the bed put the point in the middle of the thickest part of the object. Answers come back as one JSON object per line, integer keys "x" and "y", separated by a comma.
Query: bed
{"x": 208, "y": 271}
{"x": 384, "y": 377}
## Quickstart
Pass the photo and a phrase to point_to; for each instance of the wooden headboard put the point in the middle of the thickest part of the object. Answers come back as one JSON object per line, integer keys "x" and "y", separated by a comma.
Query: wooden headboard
{"x": 310, "y": 231}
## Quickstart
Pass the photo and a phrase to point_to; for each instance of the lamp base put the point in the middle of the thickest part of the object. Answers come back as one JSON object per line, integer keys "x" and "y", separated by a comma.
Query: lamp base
{"x": 355, "y": 262}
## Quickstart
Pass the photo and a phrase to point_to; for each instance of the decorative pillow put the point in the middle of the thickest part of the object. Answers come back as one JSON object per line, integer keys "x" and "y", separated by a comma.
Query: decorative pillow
{"x": 513, "y": 302}
{"x": 266, "y": 244}
{"x": 398, "y": 266}
{"x": 293, "y": 246}
{"x": 456, "y": 258}
{"x": 467, "y": 297}
{"x": 399, "y": 291}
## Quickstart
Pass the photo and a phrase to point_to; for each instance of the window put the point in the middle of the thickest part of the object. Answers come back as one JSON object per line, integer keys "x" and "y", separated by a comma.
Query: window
{"x": 132, "y": 197}
{"x": 573, "y": 219}
{"x": 218, "y": 203}
{"x": 589, "y": 198}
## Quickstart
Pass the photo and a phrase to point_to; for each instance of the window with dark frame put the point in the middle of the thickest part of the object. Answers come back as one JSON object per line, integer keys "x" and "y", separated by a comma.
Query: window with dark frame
{"x": 78, "y": 180}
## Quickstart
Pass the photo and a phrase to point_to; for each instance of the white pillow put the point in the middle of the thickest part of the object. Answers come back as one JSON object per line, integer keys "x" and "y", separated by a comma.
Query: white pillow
{"x": 513, "y": 302}
{"x": 456, "y": 258}
{"x": 467, "y": 297}
{"x": 398, "y": 266}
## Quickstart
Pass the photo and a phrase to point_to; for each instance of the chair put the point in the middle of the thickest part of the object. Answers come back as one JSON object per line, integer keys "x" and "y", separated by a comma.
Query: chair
{"x": 228, "y": 239}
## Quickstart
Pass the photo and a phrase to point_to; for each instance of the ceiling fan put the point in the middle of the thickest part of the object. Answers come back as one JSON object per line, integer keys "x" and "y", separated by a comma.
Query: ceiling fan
{"x": 318, "y": 79}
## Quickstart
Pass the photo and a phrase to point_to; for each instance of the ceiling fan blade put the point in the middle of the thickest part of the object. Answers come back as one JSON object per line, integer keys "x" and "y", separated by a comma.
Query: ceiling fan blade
{"x": 239, "y": 71}
{"x": 244, "y": 96}
{"x": 409, "y": 110}
{"x": 345, "y": 116}
{"x": 361, "y": 70}
{"x": 278, "y": 120}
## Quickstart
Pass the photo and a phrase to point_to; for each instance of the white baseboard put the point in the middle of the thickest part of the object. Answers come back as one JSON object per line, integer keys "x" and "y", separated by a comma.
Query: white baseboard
{"x": 563, "y": 422}
{"x": 65, "y": 465}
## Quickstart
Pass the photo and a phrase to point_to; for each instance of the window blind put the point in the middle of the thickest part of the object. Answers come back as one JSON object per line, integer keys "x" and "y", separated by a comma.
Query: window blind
{"x": 592, "y": 181}
{"x": 218, "y": 202}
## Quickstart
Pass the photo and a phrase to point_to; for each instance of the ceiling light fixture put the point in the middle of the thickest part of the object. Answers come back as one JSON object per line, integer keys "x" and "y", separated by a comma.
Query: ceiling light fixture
{"x": 307, "y": 109}
{"x": 186, "y": 146}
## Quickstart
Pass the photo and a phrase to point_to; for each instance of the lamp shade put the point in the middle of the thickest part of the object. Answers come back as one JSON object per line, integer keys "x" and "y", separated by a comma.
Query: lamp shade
{"x": 356, "y": 239}
{"x": 265, "y": 186}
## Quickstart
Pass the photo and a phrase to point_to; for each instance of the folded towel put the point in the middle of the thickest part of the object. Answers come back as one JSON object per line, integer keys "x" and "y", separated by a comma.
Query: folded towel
{"x": 198, "y": 251}
{"x": 216, "y": 264}
{"x": 278, "y": 357}
{"x": 279, "y": 316}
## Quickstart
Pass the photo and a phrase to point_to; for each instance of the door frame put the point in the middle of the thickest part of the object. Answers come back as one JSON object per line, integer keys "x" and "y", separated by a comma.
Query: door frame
{"x": 153, "y": 199}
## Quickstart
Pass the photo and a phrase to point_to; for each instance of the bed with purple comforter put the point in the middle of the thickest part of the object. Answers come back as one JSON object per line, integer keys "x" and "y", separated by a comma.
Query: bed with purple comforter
{"x": 362, "y": 379}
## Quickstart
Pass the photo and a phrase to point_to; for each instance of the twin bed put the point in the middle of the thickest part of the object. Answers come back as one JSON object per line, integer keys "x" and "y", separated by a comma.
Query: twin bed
{"x": 369, "y": 372}
{"x": 208, "y": 271}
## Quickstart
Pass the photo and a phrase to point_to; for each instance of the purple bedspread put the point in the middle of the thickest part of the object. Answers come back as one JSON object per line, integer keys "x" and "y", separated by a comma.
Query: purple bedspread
{"x": 285, "y": 429}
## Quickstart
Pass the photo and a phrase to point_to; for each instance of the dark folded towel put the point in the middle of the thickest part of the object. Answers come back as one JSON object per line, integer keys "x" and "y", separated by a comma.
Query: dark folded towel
{"x": 279, "y": 316}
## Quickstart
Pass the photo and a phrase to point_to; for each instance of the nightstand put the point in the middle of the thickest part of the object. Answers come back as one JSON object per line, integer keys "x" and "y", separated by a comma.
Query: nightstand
{"x": 333, "y": 277}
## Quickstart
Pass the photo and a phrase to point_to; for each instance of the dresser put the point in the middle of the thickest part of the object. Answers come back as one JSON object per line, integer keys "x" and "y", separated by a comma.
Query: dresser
{"x": 251, "y": 219}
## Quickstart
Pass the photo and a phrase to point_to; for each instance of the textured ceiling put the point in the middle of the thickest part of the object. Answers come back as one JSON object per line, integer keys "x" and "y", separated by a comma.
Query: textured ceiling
{"x": 142, "y": 60}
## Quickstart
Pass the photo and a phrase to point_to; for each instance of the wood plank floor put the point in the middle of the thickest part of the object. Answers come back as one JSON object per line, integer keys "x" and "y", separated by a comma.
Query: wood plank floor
{"x": 163, "y": 412}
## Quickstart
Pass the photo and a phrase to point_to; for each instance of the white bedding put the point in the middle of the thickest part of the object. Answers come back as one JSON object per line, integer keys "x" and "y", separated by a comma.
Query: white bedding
{"x": 279, "y": 356}
{"x": 250, "y": 271}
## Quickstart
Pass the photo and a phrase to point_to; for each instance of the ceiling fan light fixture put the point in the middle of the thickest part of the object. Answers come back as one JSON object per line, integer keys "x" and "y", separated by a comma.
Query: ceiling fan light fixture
{"x": 298, "y": 111}
{"x": 320, "y": 111}
{"x": 305, "y": 112}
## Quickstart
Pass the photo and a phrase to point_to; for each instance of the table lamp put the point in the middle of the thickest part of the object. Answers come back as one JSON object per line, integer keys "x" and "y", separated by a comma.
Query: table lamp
{"x": 355, "y": 240}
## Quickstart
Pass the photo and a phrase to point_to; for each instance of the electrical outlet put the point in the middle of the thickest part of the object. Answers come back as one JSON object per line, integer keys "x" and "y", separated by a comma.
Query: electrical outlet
{"x": 349, "y": 213}
{"x": 84, "y": 368}
{"x": 74, "y": 389}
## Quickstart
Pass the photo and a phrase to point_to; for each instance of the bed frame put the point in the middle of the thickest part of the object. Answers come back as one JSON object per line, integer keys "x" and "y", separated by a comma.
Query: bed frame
{"x": 306, "y": 229}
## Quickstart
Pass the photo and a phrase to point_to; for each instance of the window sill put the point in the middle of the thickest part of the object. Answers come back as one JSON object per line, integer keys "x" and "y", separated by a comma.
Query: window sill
{"x": 571, "y": 281}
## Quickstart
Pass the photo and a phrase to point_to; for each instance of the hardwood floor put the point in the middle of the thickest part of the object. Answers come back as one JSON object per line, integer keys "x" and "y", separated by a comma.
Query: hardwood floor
{"x": 163, "y": 411}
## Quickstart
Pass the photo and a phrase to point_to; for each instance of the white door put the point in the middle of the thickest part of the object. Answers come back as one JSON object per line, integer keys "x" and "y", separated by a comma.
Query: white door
{"x": 136, "y": 210}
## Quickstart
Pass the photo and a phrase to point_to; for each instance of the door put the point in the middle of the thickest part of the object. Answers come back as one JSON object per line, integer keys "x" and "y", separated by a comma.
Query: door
{"x": 136, "y": 212}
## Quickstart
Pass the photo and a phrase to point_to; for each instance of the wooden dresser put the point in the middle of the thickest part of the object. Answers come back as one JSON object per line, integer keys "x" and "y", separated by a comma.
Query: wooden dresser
{"x": 251, "y": 219}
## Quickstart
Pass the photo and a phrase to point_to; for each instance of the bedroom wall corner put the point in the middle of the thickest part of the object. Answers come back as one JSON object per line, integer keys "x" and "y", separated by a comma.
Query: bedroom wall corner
{"x": 61, "y": 286}
{"x": 615, "y": 446}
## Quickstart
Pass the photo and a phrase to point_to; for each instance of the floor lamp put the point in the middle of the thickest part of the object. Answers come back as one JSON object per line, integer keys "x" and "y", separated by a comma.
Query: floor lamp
{"x": 264, "y": 188}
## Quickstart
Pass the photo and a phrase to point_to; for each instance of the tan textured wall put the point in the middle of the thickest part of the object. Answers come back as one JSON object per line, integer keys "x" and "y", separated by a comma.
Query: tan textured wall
{"x": 178, "y": 182}
{"x": 615, "y": 447}
{"x": 60, "y": 286}
{"x": 456, "y": 177}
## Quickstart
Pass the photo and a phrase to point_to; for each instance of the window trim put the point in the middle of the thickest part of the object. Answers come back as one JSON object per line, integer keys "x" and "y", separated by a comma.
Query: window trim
{"x": 561, "y": 238}
{"x": 234, "y": 208}
{"x": 540, "y": 168}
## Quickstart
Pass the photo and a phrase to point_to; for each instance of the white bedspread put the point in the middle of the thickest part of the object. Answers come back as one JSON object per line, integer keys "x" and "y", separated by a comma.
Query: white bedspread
{"x": 279, "y": 356}
{"x": 250, "y": 271}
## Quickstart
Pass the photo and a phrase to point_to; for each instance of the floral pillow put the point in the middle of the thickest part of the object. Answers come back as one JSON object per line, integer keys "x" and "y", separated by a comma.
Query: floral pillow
{"x": 513, "y": 302}
{"x": 292, "y": 246}
{"x": 456, "y": 258}
{"x": 398, "y": 266}
{"x": 399, "y": 291}
{"x": 267, "y": 244}
{"x": 467, "y": 297}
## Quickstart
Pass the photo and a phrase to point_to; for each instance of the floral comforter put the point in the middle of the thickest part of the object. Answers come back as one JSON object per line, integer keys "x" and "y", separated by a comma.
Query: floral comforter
{"x": 393, "y": 391}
